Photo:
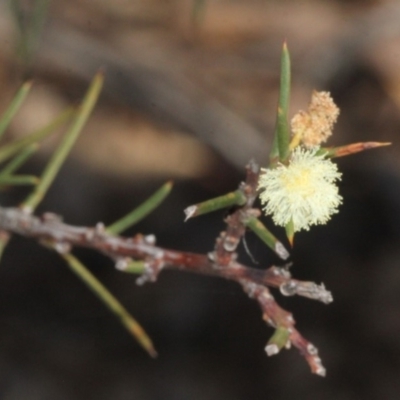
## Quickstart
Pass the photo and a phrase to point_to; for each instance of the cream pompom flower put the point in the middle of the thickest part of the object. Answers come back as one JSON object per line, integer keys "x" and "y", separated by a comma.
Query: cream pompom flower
{"x": 304, "y": 191}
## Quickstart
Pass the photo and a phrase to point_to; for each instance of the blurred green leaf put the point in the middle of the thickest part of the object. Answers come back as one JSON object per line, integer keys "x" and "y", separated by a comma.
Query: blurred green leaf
{"x": 134, "y": 267}
{"x": 278, "y": 340}
{"x": 227, "y": 200}
{"x": 10, "y": 149}
{"x": 142, "y": 211}
{"x": 133, "y": 327}
{"x": 19, "y": 160}
{"x": 63, "y": 150}
{"x": 290, "y": 232}
{"x": 15, "y": 105}
{"x": 14, "y": 180}
{"x": 280, "y": 144}
{"x": 350, "y": 149}
{"x": 267, "y": 237}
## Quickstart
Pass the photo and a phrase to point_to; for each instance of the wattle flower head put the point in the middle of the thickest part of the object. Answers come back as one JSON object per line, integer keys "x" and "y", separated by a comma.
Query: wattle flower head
{"x": 304, "y": 191}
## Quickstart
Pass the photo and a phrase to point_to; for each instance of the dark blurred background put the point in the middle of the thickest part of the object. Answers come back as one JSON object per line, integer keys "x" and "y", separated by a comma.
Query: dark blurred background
{"x": 191, "y": 97}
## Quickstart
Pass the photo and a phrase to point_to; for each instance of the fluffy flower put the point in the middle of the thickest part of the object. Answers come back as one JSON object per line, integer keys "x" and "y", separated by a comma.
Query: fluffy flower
{"x": 303, "y": 191}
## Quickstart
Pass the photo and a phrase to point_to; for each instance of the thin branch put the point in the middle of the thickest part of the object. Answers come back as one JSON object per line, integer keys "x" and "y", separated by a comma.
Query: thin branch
{"x": 50, "y": 228}
{"x": 222, "y": 262}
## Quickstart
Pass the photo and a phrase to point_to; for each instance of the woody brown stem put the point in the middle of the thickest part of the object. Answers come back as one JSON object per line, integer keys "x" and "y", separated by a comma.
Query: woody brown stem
{"x": 50, "y": 229}
{"x": 222, "y": 262}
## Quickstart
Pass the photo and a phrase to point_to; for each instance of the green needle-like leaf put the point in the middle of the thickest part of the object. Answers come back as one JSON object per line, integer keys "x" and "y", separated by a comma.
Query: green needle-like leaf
{"x": 142, "y": 211}
{"x": 267, "y": 237}
{"x": 290, "y": 232}
{"x": 280, "y": 145}
{"x": 350, "y": 149}
{"x": 15, "y": 147}
{"x": 14, "y": 107}
{"x": 133, "y": 327}
{"x": 134, "y": 267}
{"x": 65, "y": 147}
{"x": 278, "y": 340}
{"x": 13, "y": 180}
{"x": 227, "y": 200}
{"x": 19, "y": 160}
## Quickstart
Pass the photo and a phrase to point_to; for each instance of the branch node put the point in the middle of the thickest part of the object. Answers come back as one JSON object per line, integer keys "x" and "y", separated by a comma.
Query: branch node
{"x": 211, "y": 256}
{"x": 100, "y": 229}
{"x": 51, "y": 217}
{"x": 281, "y": 271}
{"x": 288, "y": 288}
{"x": 312, "y": 349}
{"x": 122, "y": 263}
{"x": 62, "y": 247}
{"x": 27, "y": 210}
{"x": 230, "y": 243}
{"x": 150, "y": 239}
{"x": 152, "y": 268}
{"x": 89, "y": 234}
